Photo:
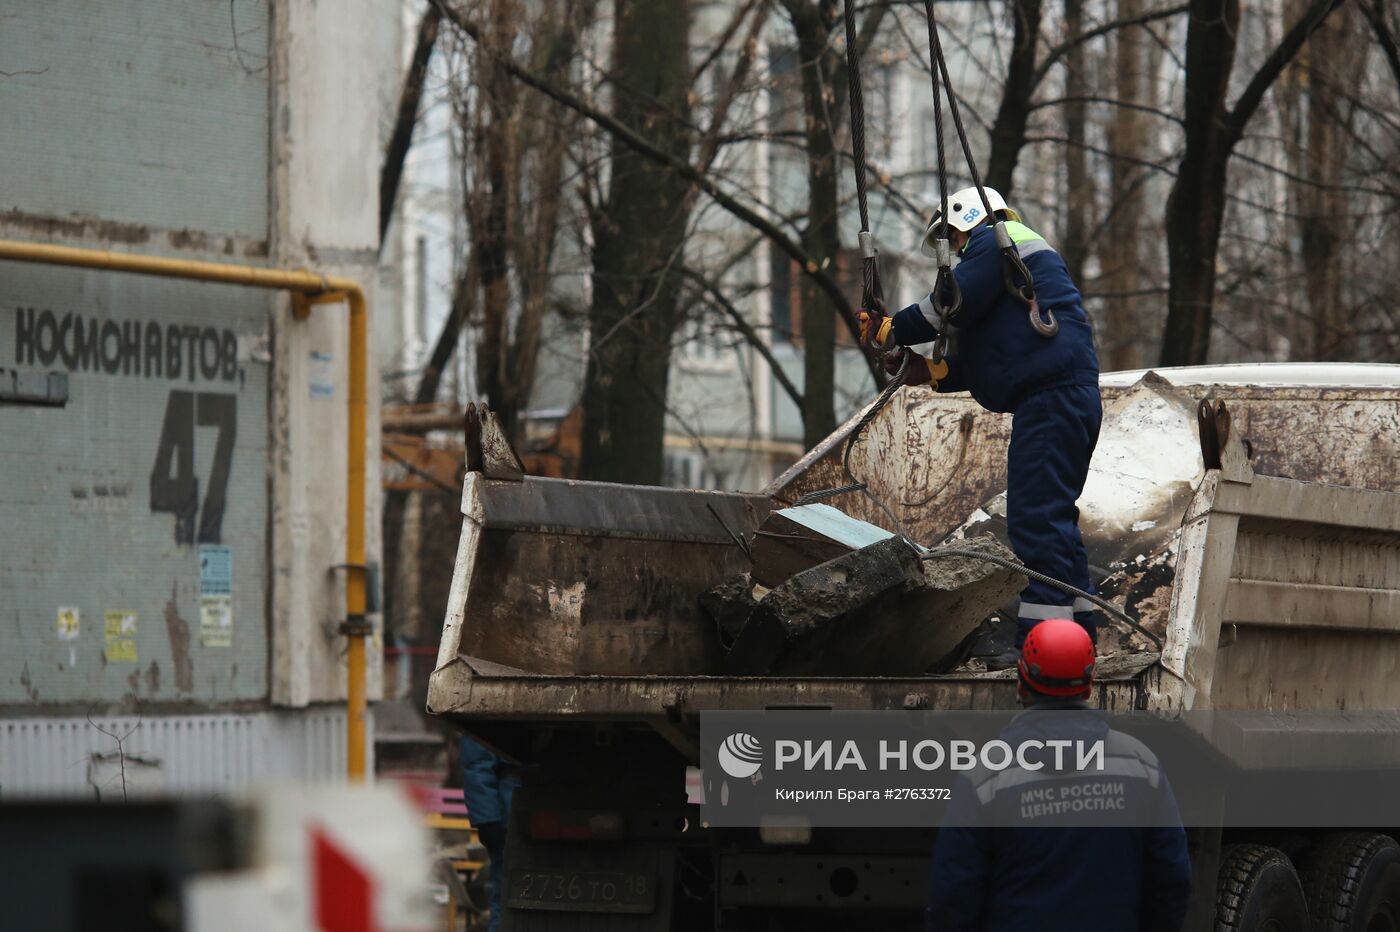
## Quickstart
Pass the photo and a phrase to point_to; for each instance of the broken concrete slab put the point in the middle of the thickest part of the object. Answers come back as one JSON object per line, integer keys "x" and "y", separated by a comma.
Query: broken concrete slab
{"x": 796, "y": 610}
{"x": 729, "y": 605}
{"x": 794, "y": 539}
{"x": 877, "y": 611}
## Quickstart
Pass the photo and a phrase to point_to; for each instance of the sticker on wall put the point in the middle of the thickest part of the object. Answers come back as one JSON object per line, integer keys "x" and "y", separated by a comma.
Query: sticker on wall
{"x": 215, "y": 570}
{"x": 120, "y": 631}
{"x": 322, "y": 375}
{"x": 215, "y": 596}
{"x": 69, "y": 619}
{"x": 216, "y": 620}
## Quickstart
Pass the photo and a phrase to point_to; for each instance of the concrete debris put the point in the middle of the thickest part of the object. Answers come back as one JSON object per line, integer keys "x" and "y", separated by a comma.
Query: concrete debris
{"x": 795, "y": 539}
{"x": 729, "y": 606}
{"x": 1143, "y": 586}
{"x": 876, "y": 611}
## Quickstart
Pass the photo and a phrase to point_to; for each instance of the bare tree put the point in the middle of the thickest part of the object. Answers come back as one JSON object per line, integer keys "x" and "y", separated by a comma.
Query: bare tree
{"x": 1079, "y": 190}
{"x": 1009, "y": 128}
{"x": 638, "y": 235}
{"x": 1196, "y": 205}
{"x": 406, "y": 116}
{"x": 1321, "y": 202}
{"x": 1123, "y": 257}
{"x": 822, "y": 66}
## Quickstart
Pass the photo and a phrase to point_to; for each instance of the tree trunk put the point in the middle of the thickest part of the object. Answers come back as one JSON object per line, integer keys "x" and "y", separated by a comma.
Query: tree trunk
{"x": 638, "y": 239}
{"x": 1323, "y": 208}
{"x": 1009, "y": 129}
{"x": 407, "y": 116}
{"x": 821, "y": 239}
{"x": 1079, "y": 192}
{"x": 495, "y": 135}
{"x": 1123, "y": 260}
{"x": 1196, "y": 205}
{"x": 536, "y": 220}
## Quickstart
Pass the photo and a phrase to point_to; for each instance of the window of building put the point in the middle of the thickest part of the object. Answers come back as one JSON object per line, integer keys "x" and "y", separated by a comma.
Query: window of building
{"x": 701, "y": 345}
{"x": 928, "y": 149}
{"x": 684, "y": 469}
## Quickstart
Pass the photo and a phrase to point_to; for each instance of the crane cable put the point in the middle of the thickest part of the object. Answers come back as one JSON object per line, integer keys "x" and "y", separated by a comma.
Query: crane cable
{"x": 872, "y": 296}
{"x": 1013, "y": 266}
{"x": 947, "y": 293}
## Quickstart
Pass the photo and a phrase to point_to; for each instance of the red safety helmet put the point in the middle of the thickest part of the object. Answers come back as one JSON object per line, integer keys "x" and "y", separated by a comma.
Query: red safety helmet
{"x": 1057, "y": 659}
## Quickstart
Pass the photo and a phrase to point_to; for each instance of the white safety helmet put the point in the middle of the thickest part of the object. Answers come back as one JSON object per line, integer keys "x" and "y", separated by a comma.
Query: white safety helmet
{"x": 964, "y": 210}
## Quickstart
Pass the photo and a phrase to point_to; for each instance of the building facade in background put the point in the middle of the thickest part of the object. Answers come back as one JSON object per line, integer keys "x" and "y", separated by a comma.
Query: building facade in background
{"x": 173, "y": 521}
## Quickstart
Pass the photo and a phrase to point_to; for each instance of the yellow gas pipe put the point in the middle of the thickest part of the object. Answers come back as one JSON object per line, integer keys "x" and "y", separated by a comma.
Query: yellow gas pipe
{"x": 307, "y": 288}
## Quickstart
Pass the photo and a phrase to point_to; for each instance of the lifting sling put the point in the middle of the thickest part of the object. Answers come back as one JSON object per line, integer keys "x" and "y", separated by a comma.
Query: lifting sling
{"x": 947, "y": 299}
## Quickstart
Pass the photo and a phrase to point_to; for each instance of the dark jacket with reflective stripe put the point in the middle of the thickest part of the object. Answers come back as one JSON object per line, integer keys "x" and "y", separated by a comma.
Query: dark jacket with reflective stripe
{"x": 998, "y": 357}
{"x": 1052, "y": 871}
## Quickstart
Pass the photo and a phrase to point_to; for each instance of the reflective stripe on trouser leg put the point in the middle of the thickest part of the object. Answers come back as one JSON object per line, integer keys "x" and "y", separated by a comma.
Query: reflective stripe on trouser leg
{"x": 1088, "y": 615}
{"x": 1053, "y": 434}
{"x": 1039, "y": 611}
{"x": 1030, "y": 614}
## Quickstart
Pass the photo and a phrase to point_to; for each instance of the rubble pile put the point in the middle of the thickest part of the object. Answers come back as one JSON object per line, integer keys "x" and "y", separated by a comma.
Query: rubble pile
{"x": 830, "y": 595}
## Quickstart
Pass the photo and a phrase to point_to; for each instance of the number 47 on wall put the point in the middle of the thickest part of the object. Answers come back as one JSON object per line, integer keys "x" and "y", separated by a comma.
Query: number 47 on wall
{"x": 174, "y": 486}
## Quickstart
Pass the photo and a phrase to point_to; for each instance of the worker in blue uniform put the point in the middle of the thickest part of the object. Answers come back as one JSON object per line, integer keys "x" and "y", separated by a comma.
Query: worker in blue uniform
{"x": 1023, "y": 849}
{"x": 1048, "y": 382}
{"x": 488, "y": 783}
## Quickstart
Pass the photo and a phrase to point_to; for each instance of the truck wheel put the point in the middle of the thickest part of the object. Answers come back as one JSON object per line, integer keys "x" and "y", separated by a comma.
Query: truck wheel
{"x": 1352, "y": 881}
{"x": 1259, "y": 892}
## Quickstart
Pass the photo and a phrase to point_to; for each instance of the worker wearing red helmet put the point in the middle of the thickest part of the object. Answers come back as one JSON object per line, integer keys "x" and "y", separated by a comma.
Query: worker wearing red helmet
{"x": 999, "y": 863}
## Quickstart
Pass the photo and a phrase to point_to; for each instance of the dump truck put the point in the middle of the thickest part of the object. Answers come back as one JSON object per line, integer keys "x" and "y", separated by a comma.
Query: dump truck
{"x": 1247, "y": 517}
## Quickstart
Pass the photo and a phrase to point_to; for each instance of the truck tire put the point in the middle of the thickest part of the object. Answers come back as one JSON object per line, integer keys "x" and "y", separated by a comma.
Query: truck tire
{"x": 1259, "y": 891}
{"x": 1352, "y": 881}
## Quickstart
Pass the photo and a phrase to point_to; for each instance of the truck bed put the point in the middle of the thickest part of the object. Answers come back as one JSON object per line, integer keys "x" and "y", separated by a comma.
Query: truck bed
{"x": 576, "y": 601}
{"x": 478, "y": 694}
{"x": 1267, "y": 560}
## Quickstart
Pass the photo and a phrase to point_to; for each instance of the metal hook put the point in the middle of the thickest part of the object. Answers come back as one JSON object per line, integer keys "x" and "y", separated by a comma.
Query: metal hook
{"x": 946, "y": 284}
{"x": 1047, "y": 327}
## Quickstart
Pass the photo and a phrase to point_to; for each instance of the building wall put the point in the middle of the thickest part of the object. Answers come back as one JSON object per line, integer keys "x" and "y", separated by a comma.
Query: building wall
{"x": 331, "y": 66}
{"x": 136, "y": 126}
{"x": 197, "y": 471}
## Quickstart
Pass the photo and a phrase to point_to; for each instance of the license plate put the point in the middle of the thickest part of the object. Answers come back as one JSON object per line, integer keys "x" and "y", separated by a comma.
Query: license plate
{"x": 582, "y": 891}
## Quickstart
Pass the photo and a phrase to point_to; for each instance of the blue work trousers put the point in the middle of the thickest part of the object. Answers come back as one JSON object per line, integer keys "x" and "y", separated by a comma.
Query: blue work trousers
{"x": 1053, "y": 433}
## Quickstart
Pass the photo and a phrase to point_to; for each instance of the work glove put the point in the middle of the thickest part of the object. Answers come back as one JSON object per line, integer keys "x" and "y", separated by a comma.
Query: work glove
{"x": 875, "y": 329}
{"x": 922, "y": 370}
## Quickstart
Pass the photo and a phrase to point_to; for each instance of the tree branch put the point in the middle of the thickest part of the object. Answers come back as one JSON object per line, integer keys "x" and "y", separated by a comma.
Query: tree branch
{"x": 1111, "y": 101}
{"x": 1376, "y": 17}
{"x": 632, "y": 140}
{"x": 1282, "y": 54}
{"x": 1061, "y": 50}
{"x": 722, "y": 42}
{"x": 724, "y": 100}
{"x": 407, "y": 117}
{"x": 746, "y": 330}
